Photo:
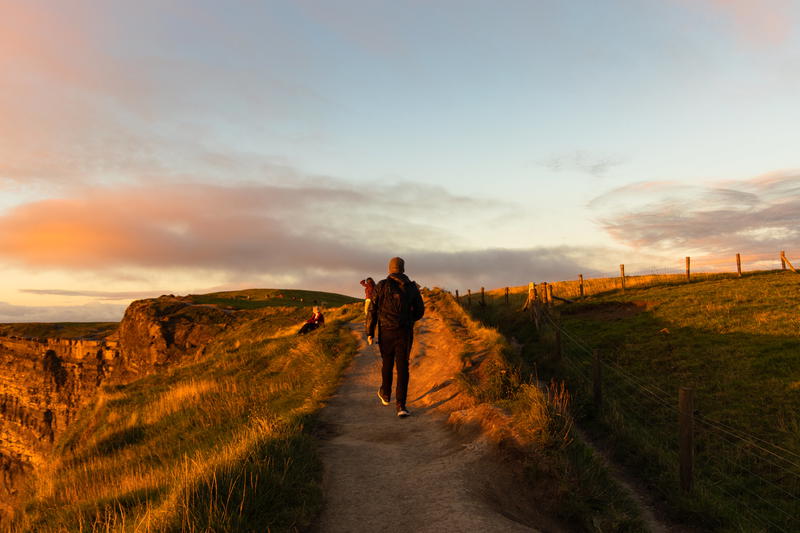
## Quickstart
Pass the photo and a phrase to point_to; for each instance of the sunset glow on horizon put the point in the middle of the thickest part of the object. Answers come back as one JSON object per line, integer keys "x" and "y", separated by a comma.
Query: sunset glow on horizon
{"x": 185, "y": 147}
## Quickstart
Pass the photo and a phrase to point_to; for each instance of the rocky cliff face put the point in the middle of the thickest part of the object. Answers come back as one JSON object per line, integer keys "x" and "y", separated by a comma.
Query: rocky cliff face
{"x": 157, "y": 332}
{"x": 44, "y": 382}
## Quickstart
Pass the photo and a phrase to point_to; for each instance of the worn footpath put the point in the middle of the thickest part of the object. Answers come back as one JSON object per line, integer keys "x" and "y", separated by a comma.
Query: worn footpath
{"x": 383, "y": 473}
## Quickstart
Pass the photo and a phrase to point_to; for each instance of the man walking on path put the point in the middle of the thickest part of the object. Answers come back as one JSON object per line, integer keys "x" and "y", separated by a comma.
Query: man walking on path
{"x": 397, "y": 304}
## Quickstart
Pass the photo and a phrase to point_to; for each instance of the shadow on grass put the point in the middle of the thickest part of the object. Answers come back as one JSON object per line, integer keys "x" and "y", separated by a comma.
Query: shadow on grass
{"x": 120, "y": 439}
{"x": 275, "y": 487}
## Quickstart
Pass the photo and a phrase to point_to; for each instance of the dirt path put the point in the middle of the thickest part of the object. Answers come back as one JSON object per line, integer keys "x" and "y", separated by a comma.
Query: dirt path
{"x": 383, "y": 473}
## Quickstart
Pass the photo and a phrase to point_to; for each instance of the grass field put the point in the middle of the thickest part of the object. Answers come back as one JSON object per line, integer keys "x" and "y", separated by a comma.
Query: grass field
{"x": 568, "y": 479}
{"x": 62, "y": 330}
{"x": 258, "y": 298}
{"x": 220, "y": 444}
{"x": 735, "y": 342}
{"x": 243, "y": 299}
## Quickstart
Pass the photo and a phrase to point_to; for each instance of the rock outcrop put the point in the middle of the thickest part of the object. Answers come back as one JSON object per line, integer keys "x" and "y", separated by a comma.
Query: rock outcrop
{"x": 157, "y": 332}
{"x": 44, "y": 382}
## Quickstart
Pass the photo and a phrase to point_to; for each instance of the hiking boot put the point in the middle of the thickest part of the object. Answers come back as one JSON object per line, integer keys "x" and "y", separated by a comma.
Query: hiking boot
{"x": 384, "y": 399}
{"x": 403, "y": 412}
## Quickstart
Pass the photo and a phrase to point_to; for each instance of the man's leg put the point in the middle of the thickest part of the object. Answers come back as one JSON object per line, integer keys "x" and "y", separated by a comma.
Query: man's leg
{"x": 387, "y": 344}
{"x": 402, "y": 353}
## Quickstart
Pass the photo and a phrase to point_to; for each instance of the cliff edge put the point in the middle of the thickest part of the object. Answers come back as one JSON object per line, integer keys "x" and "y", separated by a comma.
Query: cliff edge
{"x": 45, "y": 381}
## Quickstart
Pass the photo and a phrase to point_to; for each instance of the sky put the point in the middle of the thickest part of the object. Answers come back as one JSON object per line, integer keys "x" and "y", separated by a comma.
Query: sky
{"x": 176, "y": 146}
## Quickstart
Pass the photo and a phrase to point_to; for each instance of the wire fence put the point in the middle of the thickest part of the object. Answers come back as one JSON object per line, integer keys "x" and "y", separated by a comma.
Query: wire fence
{"x": 746, "y": 478}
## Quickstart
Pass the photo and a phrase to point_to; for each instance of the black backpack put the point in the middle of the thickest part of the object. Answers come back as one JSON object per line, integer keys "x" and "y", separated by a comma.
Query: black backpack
{"x": 396, "y": 303}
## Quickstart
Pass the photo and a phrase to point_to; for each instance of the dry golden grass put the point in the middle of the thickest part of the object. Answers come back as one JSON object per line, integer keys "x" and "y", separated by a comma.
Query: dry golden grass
{"x": 217, "y": 444}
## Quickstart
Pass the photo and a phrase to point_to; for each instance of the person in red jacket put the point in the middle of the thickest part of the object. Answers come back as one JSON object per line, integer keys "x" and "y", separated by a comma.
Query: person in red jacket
{"x": 313, "y": 323}
{"x": 369, "y": 293}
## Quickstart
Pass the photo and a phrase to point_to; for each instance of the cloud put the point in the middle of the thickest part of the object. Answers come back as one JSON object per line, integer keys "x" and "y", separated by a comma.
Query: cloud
{"x": 81, "y": 103}
{"x": 93, "y": 312}
{"x": 760, "y": 22}
{"x": 321, "y": 234}
{"x": 505, "y": 267}
{"x": 280, "y": 229}
{"x": 100, "y": 295}
{"x": 583, "y": 162}
{"x": 468, "y": 269}
{"x": 760, "y": 215}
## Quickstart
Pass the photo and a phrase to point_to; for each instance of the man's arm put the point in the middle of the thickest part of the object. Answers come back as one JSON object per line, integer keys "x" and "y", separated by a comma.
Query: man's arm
{"x": 373, "y": 310}
{"x": 417, "y": 305}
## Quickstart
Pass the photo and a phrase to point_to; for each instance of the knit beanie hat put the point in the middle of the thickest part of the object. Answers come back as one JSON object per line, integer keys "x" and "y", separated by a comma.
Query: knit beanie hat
{"x": 396, "y": 265}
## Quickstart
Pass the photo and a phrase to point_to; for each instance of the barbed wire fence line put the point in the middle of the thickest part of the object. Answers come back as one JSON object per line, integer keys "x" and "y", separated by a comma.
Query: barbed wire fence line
{"x": 757, "y": 479}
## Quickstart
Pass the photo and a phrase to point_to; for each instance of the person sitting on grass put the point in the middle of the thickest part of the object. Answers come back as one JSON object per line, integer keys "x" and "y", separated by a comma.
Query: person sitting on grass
{"x": 314, "y": 322}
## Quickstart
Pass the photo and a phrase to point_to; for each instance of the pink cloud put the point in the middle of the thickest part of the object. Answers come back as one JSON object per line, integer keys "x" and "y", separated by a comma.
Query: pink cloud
{"x": 755, "y": 216}
{"x": 165, "y": 225}
{"x": 324, "y": 236}
{"x": 762, "y": 22}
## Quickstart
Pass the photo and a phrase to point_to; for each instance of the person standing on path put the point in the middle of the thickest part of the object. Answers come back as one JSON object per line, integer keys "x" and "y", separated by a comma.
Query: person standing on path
{"x": 396, "y": 306}
{"x": 369, "y": 291}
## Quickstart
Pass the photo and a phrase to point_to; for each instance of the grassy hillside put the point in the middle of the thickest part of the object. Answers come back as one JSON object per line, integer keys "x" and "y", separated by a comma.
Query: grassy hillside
{"x": 63, "y": 330}
{"x": 258, "y": 298}
{"x": 217, "y": 444}
{"x": 532, "y": 423}
{"x": 734, "y": 341}
{"x": 244, "y": 299}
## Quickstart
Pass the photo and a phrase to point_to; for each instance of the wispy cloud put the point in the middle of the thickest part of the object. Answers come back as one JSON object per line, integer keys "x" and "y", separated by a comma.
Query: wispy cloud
{"x": 247, "y": 228}
{"x": 99, "y": 295}
{"x": 80, "y": 107}
{"x": 758, "y": 215}
{"x": 93, "y": 312}
{"x": 760, "y": 22}
{"x": 582, "y": 162}
{"x": 321, "y": 233}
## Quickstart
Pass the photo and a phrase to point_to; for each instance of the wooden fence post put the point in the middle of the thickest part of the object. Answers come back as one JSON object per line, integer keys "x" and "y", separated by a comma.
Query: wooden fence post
{"x": 457, "y": 296}
{"x": 788, "y": 263}
{"x": 580, "y": 284}
{"x": 688, "y": 275}
{"x": 739, "y": 265}
{"x": 543, "y": 285}
{"x": 686, "y": 410}
{"x": 622, "y": 275}
{"x": 469, "y": 297}
{"x": 506, "y": 295}
{"x": 483, "y": 298}
{"x": 550, "y": 294}
{"x": 783, "y": 260}
{"x": 597, "y": 378}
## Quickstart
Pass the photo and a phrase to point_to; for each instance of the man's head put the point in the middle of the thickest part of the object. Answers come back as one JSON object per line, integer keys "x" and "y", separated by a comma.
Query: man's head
{"x": 316, "y": 309}
{"x": 396, "y": 265}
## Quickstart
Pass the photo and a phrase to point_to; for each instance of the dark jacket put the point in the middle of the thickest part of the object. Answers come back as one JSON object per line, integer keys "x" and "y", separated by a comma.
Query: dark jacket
{"x": 396, "y": 304}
